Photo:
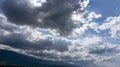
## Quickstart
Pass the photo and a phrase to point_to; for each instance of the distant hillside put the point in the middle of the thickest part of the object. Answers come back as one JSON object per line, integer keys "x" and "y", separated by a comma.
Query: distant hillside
{"x": 13, "y": 58}
{"x": 5, "y": 64}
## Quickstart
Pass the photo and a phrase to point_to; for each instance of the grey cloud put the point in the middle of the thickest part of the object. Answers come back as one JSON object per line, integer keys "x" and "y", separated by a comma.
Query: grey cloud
{"x": 18, "y": 12}
{"x": 54, "y": 14}
{"x": 19, "y": 41}
{"x": 105, "y": 49}
{"x": 17, "y": 38}
{"x": 7, "y": 27}
{"x": 102, "y": 51}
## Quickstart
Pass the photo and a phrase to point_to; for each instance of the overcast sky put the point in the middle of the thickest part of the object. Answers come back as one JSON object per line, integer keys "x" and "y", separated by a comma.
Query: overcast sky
{"x": 84, "y": 33}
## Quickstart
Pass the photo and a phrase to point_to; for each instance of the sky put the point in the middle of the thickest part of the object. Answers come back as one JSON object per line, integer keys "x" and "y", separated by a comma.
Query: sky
{"x": 78, "y": 32}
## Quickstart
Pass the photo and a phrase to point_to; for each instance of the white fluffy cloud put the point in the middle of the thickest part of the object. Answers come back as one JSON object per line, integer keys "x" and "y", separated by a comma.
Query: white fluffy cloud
{"x": 38, "y": 2}
{"x": 112, "y": 23}
{"x": 93, "y": 15}
{"x": 84, "y": 4}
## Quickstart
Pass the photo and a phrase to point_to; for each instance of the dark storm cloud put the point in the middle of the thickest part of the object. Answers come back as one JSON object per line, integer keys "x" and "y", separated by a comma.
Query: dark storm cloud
{"x": 54, "y": 14}
{"x": 18, "y": 12}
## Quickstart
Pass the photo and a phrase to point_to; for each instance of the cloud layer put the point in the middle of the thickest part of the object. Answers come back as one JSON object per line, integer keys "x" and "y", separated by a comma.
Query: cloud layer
{"x": 52, "y": 14}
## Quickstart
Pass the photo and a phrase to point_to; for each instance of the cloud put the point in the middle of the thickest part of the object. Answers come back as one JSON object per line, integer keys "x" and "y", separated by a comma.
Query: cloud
{"x": 81, "y": 30}
{"x": 110, "y": 25}
{"x": 38, "y": 2}
{"x": 18, "y": 11}
{"x": 113, "y": 24}
{"x": 85, "y": 24}
{"x": 93, "y": 15}
{"x": 52, "y": 14}
{"x": 84, "y": 4}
